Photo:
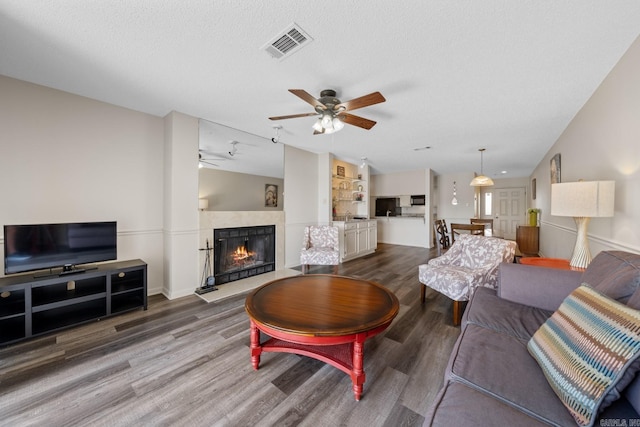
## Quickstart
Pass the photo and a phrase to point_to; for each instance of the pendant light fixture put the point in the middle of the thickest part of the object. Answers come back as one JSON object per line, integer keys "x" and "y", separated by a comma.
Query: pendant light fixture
{"x": 454, "y": 201}
{"x": 481, "y": 180}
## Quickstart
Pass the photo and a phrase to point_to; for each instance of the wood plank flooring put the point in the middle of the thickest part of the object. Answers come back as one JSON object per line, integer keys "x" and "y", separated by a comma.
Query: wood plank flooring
{"x": 186, "y": 363}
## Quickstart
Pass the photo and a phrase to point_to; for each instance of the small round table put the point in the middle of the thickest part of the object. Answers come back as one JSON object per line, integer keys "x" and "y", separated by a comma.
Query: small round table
{"x": 559, "y": 263}
{"x": 321, "y": 316}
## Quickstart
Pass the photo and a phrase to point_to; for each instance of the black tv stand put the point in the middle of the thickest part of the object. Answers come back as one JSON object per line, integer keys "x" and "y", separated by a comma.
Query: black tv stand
{"x": 63, "y": 272}
{"x": 75, "y": 270}
{"x": 31, "y": 306}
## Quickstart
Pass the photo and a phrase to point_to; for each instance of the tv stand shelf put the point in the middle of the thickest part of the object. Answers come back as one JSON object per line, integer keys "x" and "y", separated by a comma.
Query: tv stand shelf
{"x": 32, "y": 305}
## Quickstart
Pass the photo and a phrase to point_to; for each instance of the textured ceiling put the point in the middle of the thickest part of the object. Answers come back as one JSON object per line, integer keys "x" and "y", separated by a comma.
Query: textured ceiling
{"x": 457, "y": 75}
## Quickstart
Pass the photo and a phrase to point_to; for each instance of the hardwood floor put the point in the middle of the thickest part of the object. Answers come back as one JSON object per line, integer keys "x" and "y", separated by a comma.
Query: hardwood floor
{"x": 186, "y": 362}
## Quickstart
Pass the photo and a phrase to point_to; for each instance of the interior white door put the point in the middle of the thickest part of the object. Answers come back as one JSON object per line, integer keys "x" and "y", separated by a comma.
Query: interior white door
{"x": 509, "y": 210}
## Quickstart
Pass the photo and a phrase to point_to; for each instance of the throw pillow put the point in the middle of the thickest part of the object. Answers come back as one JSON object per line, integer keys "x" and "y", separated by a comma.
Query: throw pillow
{"x": 588, "y": 351}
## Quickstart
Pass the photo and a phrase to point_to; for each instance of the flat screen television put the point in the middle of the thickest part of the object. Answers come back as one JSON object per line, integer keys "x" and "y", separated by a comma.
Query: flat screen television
{"x": 46, "y": 246}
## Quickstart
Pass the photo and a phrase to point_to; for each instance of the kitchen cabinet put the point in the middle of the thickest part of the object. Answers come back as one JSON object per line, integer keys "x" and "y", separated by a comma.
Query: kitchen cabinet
{"x": 405, "y": 201}
{"x": 357, "y": 238}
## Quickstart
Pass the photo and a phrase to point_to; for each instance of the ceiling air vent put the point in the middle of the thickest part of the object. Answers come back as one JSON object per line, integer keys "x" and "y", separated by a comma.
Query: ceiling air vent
{"x": 292, "y": 39}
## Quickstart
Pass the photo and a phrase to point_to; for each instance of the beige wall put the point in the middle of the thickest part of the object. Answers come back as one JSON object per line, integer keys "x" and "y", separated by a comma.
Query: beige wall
{"x": 66, "y": 158}
{"x": 301, "y": 178}
{"x": 602, "y": 142}
{"x": 232, "y": 191}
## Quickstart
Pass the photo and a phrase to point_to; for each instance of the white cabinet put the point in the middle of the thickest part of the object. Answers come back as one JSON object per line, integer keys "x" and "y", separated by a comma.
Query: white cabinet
{"x": 405, "y": 201}
{"x": 373, "y": 237}
{"x": 357, "y": 238}
{"x": 363, "y": 239}
{"x": 350, "y": 241}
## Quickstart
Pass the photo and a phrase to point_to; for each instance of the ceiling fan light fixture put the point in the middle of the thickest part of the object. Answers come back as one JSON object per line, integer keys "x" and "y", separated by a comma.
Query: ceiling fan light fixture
{"x": 317, "y": 126}
{"x": 481, "y": 180}
{"x": 327, "y": 120}
{"x": 337, "y": 124}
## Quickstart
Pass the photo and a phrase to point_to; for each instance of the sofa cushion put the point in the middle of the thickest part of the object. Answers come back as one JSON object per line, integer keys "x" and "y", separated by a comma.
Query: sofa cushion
{"x": 499, "y": 365}
{"x": 460, "y": 405}
{"x": 587, "y": 350}
{"x": 519, "y": 321}
{"x": 615, "y": 274}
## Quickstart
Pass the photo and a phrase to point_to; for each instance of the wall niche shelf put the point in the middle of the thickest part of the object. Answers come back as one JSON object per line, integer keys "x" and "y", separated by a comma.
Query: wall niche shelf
{"x": 31, "y": 306}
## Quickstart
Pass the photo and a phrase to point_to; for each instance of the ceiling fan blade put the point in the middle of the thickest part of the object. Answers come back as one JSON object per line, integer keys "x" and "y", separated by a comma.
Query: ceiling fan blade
{"x": 361, "y": 122}
{"x": 363, "y": 101}
{"x": 307, "y": 97}
{"x": 293, "y": 116}
{"x": 209, "y": 163}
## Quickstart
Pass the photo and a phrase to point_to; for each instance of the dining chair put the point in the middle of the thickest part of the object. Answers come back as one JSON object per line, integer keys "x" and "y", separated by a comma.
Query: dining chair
{"x": 442, "y": 235}
{"x": 487, "y": 222}
{"x": 458, "y": 229}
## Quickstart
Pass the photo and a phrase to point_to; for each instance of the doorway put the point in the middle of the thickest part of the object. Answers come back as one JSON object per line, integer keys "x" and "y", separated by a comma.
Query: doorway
{"x": 507, "y": 209}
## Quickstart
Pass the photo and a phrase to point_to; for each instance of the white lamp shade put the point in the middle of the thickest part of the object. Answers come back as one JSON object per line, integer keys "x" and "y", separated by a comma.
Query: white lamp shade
{"x": 481, "y": 181}
{"x": 583, "y": 199}
{"x": 203, "y": 204}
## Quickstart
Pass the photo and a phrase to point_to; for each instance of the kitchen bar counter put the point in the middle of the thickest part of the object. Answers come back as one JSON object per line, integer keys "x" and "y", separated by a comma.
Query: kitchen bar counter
{"x": 407, "y": 230}
{"x": 412, "y": 216}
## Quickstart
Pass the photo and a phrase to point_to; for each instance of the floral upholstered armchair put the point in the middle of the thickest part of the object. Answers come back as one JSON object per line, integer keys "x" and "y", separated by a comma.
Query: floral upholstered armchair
{"x": 472, "y": 261}
{"x": 320, "y": 246}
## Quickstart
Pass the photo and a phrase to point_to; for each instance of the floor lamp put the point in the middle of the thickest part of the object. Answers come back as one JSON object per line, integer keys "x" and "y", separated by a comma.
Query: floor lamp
{"x": 582, "y": 200}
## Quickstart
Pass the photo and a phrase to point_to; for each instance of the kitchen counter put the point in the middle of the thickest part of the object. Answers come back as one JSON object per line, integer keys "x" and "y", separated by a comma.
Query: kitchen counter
{"x": 351, "y": 219}
{"x": 407, "y": 230}
{"x": 413, "y": 216}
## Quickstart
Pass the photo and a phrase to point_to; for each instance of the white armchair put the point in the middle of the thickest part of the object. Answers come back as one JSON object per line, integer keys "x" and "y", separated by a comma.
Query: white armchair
{"x": 472, "y": 261}
{"x": 320, "y": 246}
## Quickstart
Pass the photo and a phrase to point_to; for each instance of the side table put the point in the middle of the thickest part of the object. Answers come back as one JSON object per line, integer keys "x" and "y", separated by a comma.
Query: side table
{"x": 559, "y": 263}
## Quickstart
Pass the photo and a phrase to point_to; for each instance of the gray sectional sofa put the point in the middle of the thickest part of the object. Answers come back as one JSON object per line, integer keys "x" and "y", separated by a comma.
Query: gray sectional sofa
{"x": 492, "y": 378}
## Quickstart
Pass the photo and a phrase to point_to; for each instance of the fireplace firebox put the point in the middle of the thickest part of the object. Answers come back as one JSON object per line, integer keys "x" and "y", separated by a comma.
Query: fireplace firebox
{"x": 243, "y": 252}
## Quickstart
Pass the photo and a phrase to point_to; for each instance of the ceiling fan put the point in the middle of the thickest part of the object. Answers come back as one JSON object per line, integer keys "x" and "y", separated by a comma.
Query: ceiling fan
{"x": 205, "y": 160}
{"x": 333, "y": 112}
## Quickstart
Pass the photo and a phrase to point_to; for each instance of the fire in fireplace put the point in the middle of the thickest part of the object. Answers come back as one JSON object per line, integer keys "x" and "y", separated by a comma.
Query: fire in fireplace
{"x": 243, "y": 252}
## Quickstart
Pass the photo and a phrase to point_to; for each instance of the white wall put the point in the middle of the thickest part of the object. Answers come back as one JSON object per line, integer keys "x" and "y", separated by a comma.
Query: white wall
{"x": 301, "y": 177}
{"x": 464, "y": 193}
{"x": 66, "y": 158}
{"x": 602, "y": 142}
{"x": 399, "y": 183}
{"x": 233, "y": 191}
{"x": 180, "y": 224}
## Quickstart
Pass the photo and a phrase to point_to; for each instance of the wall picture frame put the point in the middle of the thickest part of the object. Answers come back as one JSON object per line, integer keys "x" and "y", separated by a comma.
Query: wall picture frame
{"x": 533, "y": 189}
{"x": 340, "y": 171}
{"x": 271, "y": 195}
{"x": 554, "y": 169}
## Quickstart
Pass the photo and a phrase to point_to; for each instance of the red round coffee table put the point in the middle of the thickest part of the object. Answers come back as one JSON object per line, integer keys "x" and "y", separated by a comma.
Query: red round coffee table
{"x": 321, "y": 316}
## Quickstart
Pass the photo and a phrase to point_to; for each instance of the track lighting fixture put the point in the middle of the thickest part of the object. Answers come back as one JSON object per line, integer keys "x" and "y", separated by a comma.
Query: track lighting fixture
{"x": 276, "y": 139}
{"x": 363, "y": 162}
{"x": 234, "y": 149}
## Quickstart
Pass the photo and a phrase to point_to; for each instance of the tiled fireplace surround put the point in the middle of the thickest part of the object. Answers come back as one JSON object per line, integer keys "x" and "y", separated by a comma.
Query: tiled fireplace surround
{"x": 215, "y": 219}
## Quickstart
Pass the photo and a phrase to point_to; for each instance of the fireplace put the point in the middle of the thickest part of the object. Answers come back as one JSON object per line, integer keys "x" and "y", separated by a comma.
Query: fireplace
{"x": 243, "y": 252}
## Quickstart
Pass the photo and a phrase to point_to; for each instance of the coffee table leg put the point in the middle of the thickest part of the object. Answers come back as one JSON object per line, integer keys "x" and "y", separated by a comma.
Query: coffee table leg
{"x": 357, "y": 375}
{"x": 256, "y": 349}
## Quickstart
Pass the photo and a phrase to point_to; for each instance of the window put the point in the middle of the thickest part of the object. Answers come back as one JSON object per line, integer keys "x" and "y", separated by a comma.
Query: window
{"x": 487, "y": 204}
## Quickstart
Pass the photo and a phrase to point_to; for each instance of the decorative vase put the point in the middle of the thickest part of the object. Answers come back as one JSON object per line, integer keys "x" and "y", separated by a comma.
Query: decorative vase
{"x": 533, "y": 219}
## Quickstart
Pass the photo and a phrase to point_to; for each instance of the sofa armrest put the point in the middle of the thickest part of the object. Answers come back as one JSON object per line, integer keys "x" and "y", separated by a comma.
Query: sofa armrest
{"x": 539, "y": 287}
